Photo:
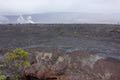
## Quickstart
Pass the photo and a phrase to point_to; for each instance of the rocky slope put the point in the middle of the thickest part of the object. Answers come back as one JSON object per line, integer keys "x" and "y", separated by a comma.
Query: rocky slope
{"x": 66, "y": 51}
{"x": 76, "y": 65}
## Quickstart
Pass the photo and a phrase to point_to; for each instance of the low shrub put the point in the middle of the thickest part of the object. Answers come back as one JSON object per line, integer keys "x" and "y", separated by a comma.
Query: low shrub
{"x": 2, "y": 77}
{"x": 16, "y": 61}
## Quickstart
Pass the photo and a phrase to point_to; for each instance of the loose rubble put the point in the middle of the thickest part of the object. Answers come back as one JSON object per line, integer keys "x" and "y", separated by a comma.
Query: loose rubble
{"x": 74, "y": 65}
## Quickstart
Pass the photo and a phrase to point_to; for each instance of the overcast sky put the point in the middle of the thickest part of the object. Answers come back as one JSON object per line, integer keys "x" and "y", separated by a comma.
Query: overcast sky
{"x": 43, "y": 6}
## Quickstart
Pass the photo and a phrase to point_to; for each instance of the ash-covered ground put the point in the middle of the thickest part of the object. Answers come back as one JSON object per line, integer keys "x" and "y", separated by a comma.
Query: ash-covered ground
{"x": 99, "y": 38}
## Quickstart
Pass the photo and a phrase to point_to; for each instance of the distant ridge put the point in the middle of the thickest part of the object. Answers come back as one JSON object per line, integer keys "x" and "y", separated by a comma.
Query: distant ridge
{"x": 64, "y": 17}
{"x": 3, "y": 20}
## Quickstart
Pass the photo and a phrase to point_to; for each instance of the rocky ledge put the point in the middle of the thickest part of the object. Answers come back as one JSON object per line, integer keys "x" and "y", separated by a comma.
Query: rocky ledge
{"x": 76, "y": 65}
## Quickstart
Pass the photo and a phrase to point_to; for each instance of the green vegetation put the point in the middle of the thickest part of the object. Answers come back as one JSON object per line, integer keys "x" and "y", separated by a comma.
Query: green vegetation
{"x": 2, "y": 77}
{"x": 16, "y": 61}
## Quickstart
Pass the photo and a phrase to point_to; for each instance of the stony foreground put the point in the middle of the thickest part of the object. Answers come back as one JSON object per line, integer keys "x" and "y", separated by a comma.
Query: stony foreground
{"x": 77, "y": 65}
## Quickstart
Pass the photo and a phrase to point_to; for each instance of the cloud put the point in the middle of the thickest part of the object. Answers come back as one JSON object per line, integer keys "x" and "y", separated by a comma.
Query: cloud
{"x": 42, "y": 6}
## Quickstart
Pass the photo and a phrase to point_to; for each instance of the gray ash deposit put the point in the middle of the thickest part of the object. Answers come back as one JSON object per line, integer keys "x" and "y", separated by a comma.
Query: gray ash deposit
{"x": 98, "y": 38}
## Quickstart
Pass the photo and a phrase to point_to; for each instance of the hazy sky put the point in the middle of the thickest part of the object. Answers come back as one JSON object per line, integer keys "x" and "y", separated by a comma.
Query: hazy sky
{"x": 43, "y": 6}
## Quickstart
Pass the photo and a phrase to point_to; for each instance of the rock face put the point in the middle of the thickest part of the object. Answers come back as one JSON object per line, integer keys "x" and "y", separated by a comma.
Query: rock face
{"x": 73, "y": 66}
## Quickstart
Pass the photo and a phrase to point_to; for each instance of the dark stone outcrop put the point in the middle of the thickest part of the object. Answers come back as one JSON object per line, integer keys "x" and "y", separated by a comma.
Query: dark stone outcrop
{"x": 74, "y": 65}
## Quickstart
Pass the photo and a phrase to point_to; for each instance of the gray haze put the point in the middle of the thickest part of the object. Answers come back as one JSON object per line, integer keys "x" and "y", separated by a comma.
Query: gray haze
{"x": 44, "y": 6}
{"x": 59, "y": 11}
